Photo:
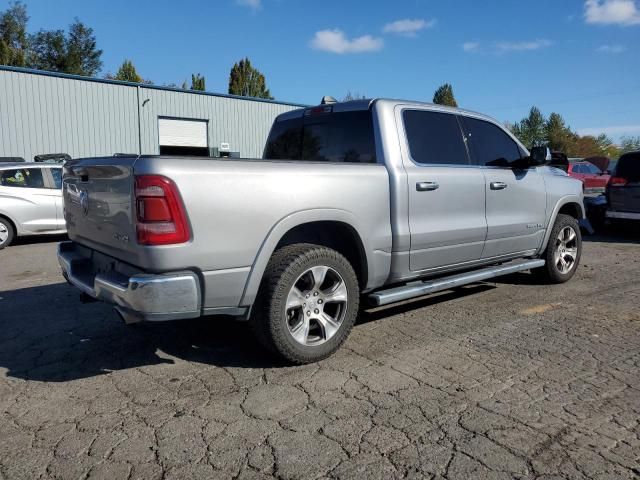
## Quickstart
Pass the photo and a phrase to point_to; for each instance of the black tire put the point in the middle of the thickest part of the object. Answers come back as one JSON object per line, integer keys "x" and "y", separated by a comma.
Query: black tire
{"x": 551, "y": 272}
{"x": 6, "y": 227}
{"x": 269, "y": 317}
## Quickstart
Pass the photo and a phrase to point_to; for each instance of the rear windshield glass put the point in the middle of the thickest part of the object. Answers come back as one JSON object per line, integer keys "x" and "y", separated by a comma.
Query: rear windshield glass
{"x": 629, "y": 167}
{"x": 332, "y": 137}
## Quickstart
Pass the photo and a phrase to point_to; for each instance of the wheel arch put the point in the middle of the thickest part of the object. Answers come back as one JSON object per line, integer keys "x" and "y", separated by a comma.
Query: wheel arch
{"x": 570, "y": 205}
{"x": 11, "y": 221}
{"x": 337, "y": 229}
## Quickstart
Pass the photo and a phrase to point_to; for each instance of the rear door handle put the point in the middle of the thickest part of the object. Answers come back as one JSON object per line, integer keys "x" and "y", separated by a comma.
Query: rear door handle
{"x": 427, "y": 186}
{"x": 498, "y": 185}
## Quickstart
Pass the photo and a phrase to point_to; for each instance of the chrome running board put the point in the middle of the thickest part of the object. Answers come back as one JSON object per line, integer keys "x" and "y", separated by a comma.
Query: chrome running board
{"x": 424, "y": 287}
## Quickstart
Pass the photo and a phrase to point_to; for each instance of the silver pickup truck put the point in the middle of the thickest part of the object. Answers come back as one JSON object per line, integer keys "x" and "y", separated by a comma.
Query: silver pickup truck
{"x": 374, "y": 200}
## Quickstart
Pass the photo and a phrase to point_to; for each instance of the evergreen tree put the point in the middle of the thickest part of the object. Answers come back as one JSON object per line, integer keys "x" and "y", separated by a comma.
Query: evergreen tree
{"x": 559, "y": 137}
{"x": 128, "y": 73}
{"x": 246, "y": 81}
{"x": 83, "y": 56}
{"x": 532, "y": 130}
{"x": 197, "y": 82}
{"x": 444, "y": 96}
{"x": 13, "y": 35}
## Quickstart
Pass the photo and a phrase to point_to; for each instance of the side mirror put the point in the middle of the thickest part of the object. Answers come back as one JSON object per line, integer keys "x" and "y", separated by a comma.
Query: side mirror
{"x": 540, "y": 155}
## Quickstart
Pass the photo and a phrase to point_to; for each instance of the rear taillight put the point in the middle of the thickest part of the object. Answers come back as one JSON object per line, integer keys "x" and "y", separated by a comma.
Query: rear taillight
{"x": 617, "y": 182}
{"x": 160, "y": 215}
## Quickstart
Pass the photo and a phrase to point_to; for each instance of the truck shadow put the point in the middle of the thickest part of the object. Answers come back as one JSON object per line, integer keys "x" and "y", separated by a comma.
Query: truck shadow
{"x": 33, "y": 239}
{"x": 628, "y": 232}
{"x": 47, "y": 335}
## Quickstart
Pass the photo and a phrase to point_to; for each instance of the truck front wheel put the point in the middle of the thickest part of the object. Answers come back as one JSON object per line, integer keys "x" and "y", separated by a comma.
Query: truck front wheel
{"x": 307, "y": 303}
{"x": 563, "y": 251}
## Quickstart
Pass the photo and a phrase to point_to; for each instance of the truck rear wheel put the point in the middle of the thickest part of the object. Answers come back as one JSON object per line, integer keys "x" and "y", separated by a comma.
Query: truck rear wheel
{"x": 563, "y": 251}
{"x": 307, "y": 303}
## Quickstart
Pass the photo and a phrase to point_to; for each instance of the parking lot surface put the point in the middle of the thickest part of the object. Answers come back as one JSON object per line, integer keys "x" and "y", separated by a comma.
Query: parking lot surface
{"x": 496, "y": 380}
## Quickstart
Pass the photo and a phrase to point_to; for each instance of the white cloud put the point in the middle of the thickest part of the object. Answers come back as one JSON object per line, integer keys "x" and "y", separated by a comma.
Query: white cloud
{"x": 252, "y": 4}
{"x": 471, "y": 47}
{"x": 613, "y": 131}
{"x": 408, "y": 27}
{"x": 611, "y": 12}
{"x": 505, "y": 47}
{"x": 335, "y": 41}
{"x": 611, "y": 49}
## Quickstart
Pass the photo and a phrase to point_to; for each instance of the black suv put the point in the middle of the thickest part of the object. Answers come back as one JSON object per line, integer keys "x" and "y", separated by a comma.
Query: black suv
{"x": 623, "y": 189}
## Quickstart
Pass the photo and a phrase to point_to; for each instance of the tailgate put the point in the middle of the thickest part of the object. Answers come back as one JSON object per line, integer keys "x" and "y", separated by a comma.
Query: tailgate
{"x": 625, "y": 199}
{"x": 98, "y": 204}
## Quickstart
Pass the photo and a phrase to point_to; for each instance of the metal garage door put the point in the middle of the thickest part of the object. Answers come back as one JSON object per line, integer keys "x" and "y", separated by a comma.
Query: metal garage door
{"x": 178, "y": 136}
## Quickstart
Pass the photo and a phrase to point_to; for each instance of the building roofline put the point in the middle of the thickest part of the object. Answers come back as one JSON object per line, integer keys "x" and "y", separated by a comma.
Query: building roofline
{"x": 46, "y": 73}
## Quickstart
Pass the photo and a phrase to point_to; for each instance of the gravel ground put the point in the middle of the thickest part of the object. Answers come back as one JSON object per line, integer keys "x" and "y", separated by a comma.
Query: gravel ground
{"x": 496, "y": 380}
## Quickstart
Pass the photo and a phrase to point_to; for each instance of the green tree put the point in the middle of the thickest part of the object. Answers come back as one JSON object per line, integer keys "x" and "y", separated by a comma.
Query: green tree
{"x": 531, "y": 131}
{"x": 585, "y": 146}
{"x": 558, "y": 135}
{"x": 83, "y": 55}
{"x": 74, "y": 52}
{"x": 444, "y": 96}
{"x": 246, "y": 81}
{"x": 127, "y": 73}
{"x": 629, "y": 144}
{"x": 607, "y": 146}
{"x": 13, "y": 35}
{"x": 197, "y": 82}
{"x": 48, "y": 50}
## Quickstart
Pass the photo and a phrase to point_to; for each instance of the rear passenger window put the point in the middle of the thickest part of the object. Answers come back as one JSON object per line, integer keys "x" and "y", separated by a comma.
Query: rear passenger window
{"x": 22, "y": 177}
{"x": 489, "y": 144}
{"x": 434, "y": 138}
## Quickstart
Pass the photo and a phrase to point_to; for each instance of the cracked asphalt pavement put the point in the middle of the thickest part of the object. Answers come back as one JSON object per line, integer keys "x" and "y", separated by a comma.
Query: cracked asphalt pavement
{"x": 496, "y": 380}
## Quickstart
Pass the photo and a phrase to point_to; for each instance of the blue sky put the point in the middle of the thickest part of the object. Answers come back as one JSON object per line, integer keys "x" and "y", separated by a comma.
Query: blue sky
{"x": 580, "y": 58}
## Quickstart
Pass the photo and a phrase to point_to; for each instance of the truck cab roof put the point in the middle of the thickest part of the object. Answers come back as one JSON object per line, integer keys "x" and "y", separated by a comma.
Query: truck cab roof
{"x": 367, "y": 103}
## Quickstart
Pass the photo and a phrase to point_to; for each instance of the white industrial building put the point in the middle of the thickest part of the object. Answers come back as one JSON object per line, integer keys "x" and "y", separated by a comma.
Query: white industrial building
{"x": 46, "y": 112}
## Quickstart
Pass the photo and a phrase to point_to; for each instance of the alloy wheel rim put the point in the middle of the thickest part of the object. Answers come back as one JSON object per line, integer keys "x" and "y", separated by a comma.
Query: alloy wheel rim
{"x": 316, "y": 306}
{"x": 4, "y": 233}
{"x": 566, "y": 251}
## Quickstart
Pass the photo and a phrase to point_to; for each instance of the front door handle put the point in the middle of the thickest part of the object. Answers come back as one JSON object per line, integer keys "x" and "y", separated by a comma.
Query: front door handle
{"x": 427, "y": 186}
{"x": 498, "y": 185}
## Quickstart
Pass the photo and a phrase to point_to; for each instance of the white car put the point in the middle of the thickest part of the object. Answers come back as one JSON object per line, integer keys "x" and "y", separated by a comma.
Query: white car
{"x": 30, "y": 200}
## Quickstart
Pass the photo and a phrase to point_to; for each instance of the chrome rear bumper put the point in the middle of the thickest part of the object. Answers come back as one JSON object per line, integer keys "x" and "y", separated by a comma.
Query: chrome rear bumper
{"x": 136, "y": 295}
